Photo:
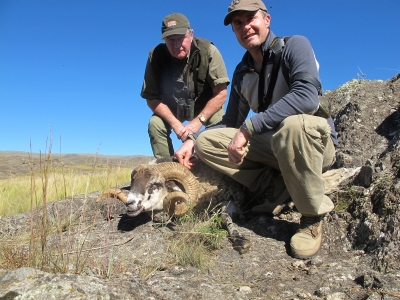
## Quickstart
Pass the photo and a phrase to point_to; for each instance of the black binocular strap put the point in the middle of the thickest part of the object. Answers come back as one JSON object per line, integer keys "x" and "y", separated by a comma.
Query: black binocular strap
{"x": 195, "y": 75}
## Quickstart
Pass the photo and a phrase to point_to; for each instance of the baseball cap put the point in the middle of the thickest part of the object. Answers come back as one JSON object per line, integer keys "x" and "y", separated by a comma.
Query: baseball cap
{"x": 175, "y": 23}
{"x": 247, "y": 5}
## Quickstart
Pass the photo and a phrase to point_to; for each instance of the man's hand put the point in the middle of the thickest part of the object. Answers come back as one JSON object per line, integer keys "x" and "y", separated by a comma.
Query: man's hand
{"x": 179, "y": 130}
{"x": 190, "y": 128}
{"x": 237, "y": 146}
{"x": 184, "y": 154}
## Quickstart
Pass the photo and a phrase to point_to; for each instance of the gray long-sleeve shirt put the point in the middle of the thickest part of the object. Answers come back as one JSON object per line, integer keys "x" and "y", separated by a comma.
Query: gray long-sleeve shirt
{"x": 298, "y": 97}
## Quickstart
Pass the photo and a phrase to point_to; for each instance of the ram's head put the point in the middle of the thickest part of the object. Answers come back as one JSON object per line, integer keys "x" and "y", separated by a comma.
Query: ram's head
{"x": 167, "y": 186}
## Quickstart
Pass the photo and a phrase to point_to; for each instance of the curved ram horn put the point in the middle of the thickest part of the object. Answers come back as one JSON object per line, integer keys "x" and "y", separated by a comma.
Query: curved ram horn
{"x": 116, "y": 193}
{"x": 179, "y": 173}
{"x": 175, "y": 204}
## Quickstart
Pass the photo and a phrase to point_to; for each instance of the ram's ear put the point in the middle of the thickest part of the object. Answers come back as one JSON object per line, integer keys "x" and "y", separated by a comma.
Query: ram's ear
{"x": 136, "y": 170}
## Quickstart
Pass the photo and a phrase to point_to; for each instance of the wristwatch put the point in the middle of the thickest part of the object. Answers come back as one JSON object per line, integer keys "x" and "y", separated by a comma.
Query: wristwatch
{"x": 202, "y": 119}
{"x": 244, "y": 126}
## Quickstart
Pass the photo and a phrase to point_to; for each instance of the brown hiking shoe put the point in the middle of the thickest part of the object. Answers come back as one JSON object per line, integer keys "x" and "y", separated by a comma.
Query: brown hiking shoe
{"x": 276, "y": 197}
{"x": 308, "y": 239}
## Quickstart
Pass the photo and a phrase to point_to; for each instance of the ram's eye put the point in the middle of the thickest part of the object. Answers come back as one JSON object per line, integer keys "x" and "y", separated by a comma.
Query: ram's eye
{"x": 153, "y": 187}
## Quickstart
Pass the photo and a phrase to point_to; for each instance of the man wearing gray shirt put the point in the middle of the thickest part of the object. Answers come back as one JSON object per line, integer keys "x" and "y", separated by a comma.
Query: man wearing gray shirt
{"x": 287, "y": 135}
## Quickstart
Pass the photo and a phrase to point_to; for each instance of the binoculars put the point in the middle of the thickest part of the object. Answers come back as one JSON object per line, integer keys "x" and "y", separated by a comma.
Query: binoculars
{"x": 185, "y": 110}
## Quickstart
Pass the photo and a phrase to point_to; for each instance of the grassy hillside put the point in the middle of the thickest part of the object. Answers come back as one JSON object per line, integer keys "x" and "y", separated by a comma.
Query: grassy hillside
{"x": 29, "y": 180}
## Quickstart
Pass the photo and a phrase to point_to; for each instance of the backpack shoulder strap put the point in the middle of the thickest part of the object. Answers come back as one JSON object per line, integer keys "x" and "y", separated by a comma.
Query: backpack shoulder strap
{"x": 307, "y": 77}
{"x": 276, "y": 48}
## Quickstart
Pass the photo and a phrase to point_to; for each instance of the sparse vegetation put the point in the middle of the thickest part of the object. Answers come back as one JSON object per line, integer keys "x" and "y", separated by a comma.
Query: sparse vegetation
{"x": 191, "y": 243}
{"x": 345, "y": 197}
{"x": 197, "y": 237}
{"x": 68, "y": 245}
{"x": 53, "y": 247}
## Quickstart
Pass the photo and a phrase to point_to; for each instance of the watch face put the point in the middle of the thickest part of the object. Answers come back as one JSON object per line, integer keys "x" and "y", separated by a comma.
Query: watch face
{"x": 202, "y": 118}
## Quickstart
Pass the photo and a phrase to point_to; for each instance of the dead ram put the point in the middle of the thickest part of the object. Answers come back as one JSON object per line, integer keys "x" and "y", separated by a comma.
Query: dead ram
{"x": 170, "y": 188}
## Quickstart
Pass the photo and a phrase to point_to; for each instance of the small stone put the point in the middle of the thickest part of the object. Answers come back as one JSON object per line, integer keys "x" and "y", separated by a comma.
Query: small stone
{"x": 268, "y": 274}
{"x": 312, "y": 270}
{"x": 304, "y": 295}
{"x": 316, "y": 261}
{"x": 299, "y": 264}
{"x": 369, "y": 162}
{"x": 359, "y": 190}
{"x": 372, "y": 281}
{"x": 379, "y": 167}
{"x": 245, "y": 289}
{"x": 364, "y": 177}
{"x": 322, "y": 291}
{"x": 336, "y": 296}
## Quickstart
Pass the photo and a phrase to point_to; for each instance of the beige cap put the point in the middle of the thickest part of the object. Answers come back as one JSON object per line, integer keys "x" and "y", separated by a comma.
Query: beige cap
{"x": 247, "y": 5}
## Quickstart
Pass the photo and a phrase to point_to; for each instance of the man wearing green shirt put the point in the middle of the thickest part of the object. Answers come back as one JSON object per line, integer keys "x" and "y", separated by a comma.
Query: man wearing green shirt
{"x": 185, "y": 80}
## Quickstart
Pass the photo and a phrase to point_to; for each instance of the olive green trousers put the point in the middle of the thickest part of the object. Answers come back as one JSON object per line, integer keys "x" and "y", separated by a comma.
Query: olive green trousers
{"x": 300, "y": 148}
{"x": 160, "y": 134}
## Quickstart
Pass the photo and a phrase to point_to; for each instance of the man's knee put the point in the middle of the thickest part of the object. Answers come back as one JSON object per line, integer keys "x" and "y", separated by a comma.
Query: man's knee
{"x": 312, "y": 126}
{"x": 156, "y": 126}
{"x": 214, "y": 140}
{"x": 200, "y": 143}
{"x": 292, "y": 124}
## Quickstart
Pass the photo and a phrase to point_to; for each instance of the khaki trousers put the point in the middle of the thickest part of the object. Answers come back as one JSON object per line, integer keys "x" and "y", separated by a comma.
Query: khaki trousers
{"x": 160, "y": 131}
{"x": 301, "y": 148}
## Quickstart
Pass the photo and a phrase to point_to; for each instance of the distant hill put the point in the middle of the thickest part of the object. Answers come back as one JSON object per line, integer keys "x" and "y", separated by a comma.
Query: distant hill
{"x": 14, "y": 163}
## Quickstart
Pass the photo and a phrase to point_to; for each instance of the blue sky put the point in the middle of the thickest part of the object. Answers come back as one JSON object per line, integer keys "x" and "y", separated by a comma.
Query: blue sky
{"x": 71, "y": 70}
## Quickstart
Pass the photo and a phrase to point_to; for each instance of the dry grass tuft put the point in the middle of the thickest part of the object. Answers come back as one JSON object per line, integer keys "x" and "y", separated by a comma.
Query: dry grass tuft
{"x": 197, "y": 237}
